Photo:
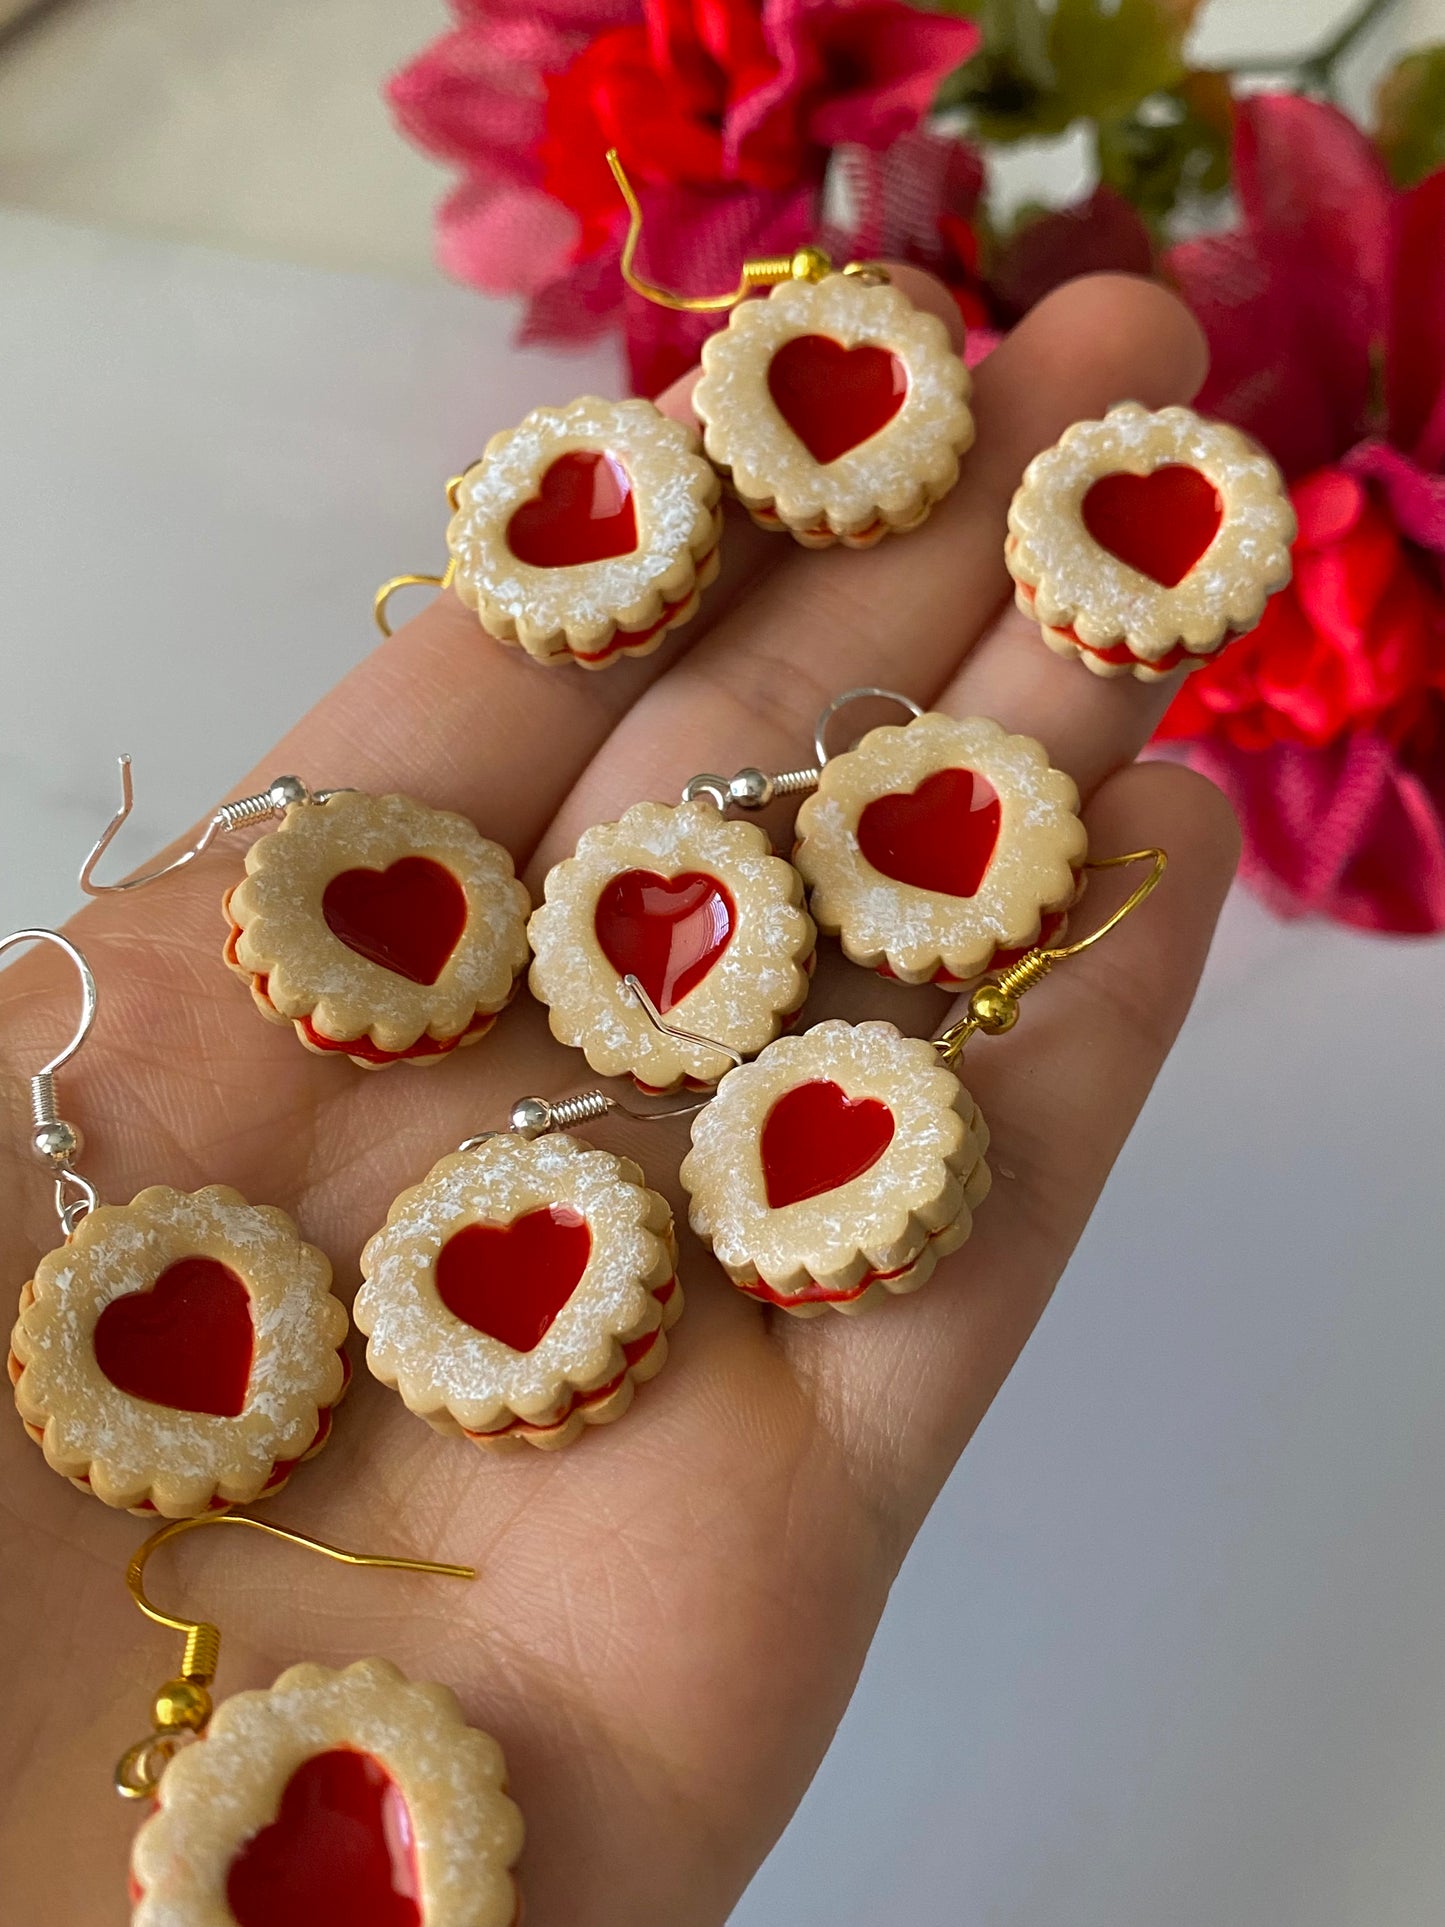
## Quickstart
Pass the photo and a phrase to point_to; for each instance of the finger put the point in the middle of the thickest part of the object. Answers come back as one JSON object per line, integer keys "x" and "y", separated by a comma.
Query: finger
{"x": 905, "y": 613}
{"x": 905, "y": 1388}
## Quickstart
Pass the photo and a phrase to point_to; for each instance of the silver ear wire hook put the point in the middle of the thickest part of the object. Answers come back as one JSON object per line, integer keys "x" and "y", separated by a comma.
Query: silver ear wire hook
{"x": 754, "y": 789}
{"x": 55, "y": 1141}
{"x": 655, "y": 1018}
{"x": 284, "y": 793}
{"x": 534, "y": 1117}
{"x": 864, "y": 690}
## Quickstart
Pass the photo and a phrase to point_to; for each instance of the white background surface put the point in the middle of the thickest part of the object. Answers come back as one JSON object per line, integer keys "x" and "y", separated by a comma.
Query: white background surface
{"x": 1169, "y": 1652}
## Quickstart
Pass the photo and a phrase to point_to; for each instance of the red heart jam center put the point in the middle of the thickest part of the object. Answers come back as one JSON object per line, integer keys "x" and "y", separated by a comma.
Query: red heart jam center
{"x": 668, "y": 932}
{"x": 816, "y": 1137}
{"x": 583, "y": 512}
{"x": 1159, "y": 524}
{"x": 408, "y": 918}
{"x": 187, "y": 1342}
{"x": 834, "y": 397}
{"x": 510, "y": 1281}
{"x": 941, "y": 836}
{"x": 339, "y": 1853}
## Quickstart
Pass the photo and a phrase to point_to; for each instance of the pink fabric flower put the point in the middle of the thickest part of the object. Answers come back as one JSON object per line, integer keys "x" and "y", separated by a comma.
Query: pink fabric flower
{"x": 724, "y": 112}
{"x": 1325, "y": 313}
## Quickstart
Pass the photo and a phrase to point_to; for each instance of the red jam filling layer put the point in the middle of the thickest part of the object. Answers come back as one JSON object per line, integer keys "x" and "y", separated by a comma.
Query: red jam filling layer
{"x": 815, "y": 1294}
{"x": 625, "y": 639}
{"x": 1159, "y": 524}
{"x": 510, "y": 1281}
{"x": 1119, "y": 652}
{"x": 373, "y": 1054}
{"x": 1049, "y": 928}
{"x": 583, "y": 512}
{"x": 940, "y": 836}
{"x": 408, "y": 918}
{"x": 666, "y": 931}
{"x": 816, "y": 1137}
{"x": 634, "y": 1351}
{"x": 363, "y": 1047}
{"x": 340, "y": 1852}
{"x": 834, "y": 398}
{"x": 186, "y": 1342}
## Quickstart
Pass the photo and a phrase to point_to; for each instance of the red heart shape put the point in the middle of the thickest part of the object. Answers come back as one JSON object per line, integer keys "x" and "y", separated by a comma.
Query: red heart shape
{"x": 816, "y": 1137}
{"x": 187, "y": 1342}
{"x": 583, "y": 512}
{"x": 339, "y": 1853}
{"x": 941, "y": 836}
{"x": 834, "y": 397}
{"x": 1159, "y": 523}
{"x": 408, "y": 918}
{"x": 668, "y": 932}
{"x": 509, "y": 1281}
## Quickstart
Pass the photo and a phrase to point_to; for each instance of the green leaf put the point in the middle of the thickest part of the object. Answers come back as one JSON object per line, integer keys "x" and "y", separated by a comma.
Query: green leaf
{"x": 1039, "y": 71}
{"x": 1410, "y": 111}
{"x": 1173, "y": 148}
{"x": 1106, "y": 61}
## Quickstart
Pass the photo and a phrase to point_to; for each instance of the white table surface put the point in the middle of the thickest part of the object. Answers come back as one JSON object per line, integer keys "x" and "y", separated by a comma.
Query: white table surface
{"x": 1169, "y": 1651}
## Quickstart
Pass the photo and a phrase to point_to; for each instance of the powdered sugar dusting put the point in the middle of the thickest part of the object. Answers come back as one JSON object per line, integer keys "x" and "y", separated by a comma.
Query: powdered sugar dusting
{"x": 216, "y": 1795}
{"x": 673, "y": 491}
{"x": 1079, "y": 585}
{"x": 439, "y": 1363}
{"x": 758, "y": 978}
{"x": 879, "y": 1221}
{"x": 130, "y": 1448}
{"x": 311, "y": 973}
{"x": 895, "y": 474}
{"x": 1041, "y": 841}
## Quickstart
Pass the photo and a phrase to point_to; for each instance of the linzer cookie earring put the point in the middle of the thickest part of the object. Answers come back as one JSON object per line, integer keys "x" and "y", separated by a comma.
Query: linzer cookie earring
{"x": 836, "y": 409}
{"x": 525, "y": 1288}
{"x": 355, "y": 1795}
{"x": 584, "y": 534}
{"x": 178, "y": 1353}
{"x": 841, "y": 1165}
{"x": 1144, "y": 542}
{"x": 935, "y": 850}
{"x": 377, "y": 928}
{"x": 693, "y": 908}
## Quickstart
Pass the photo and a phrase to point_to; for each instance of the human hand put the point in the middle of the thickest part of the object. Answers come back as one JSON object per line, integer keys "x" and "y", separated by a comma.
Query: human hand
{"x": 669, "y": 1616}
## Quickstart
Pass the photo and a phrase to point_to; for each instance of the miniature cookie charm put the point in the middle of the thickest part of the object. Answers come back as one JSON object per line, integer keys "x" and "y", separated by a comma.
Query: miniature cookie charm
{"x": 179, "y": 1352}
{"x": 836, "y": 408}
{"x": 701, "y": 912}
{"x": 940, "y": 848}
{"x": 356, "y": 1796}
{"x": 586, "y": 532}
{"x": 837, "y": 1168}
{"x": 381, "y": 929}
{"x": 521, "y": 1291}
{"x": 1144, "y": 542}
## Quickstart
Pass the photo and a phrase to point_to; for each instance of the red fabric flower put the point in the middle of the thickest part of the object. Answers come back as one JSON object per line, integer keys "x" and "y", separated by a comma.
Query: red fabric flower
{"x": 1327, "y": 724}
{"x": 724, "y": 112}
{"x": 1357, "y": 641}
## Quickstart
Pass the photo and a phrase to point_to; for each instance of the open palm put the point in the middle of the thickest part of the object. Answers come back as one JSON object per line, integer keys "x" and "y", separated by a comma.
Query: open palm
{"x": 669, "y": 1616}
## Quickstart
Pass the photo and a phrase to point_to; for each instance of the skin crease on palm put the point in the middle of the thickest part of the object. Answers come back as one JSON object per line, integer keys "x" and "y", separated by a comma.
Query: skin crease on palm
{"x": 669, "y": 1615}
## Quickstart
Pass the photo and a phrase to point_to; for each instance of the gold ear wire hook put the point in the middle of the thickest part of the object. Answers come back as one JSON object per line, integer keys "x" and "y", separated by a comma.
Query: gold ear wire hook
{"x": 284, "y": 793}
{"x": 53, "y": 1139}
{"x": 443, "y": 581}
{"x": 805, "y": 264}
{"x": 994, "y": 1005}
{"x": 183, "y": 1705}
